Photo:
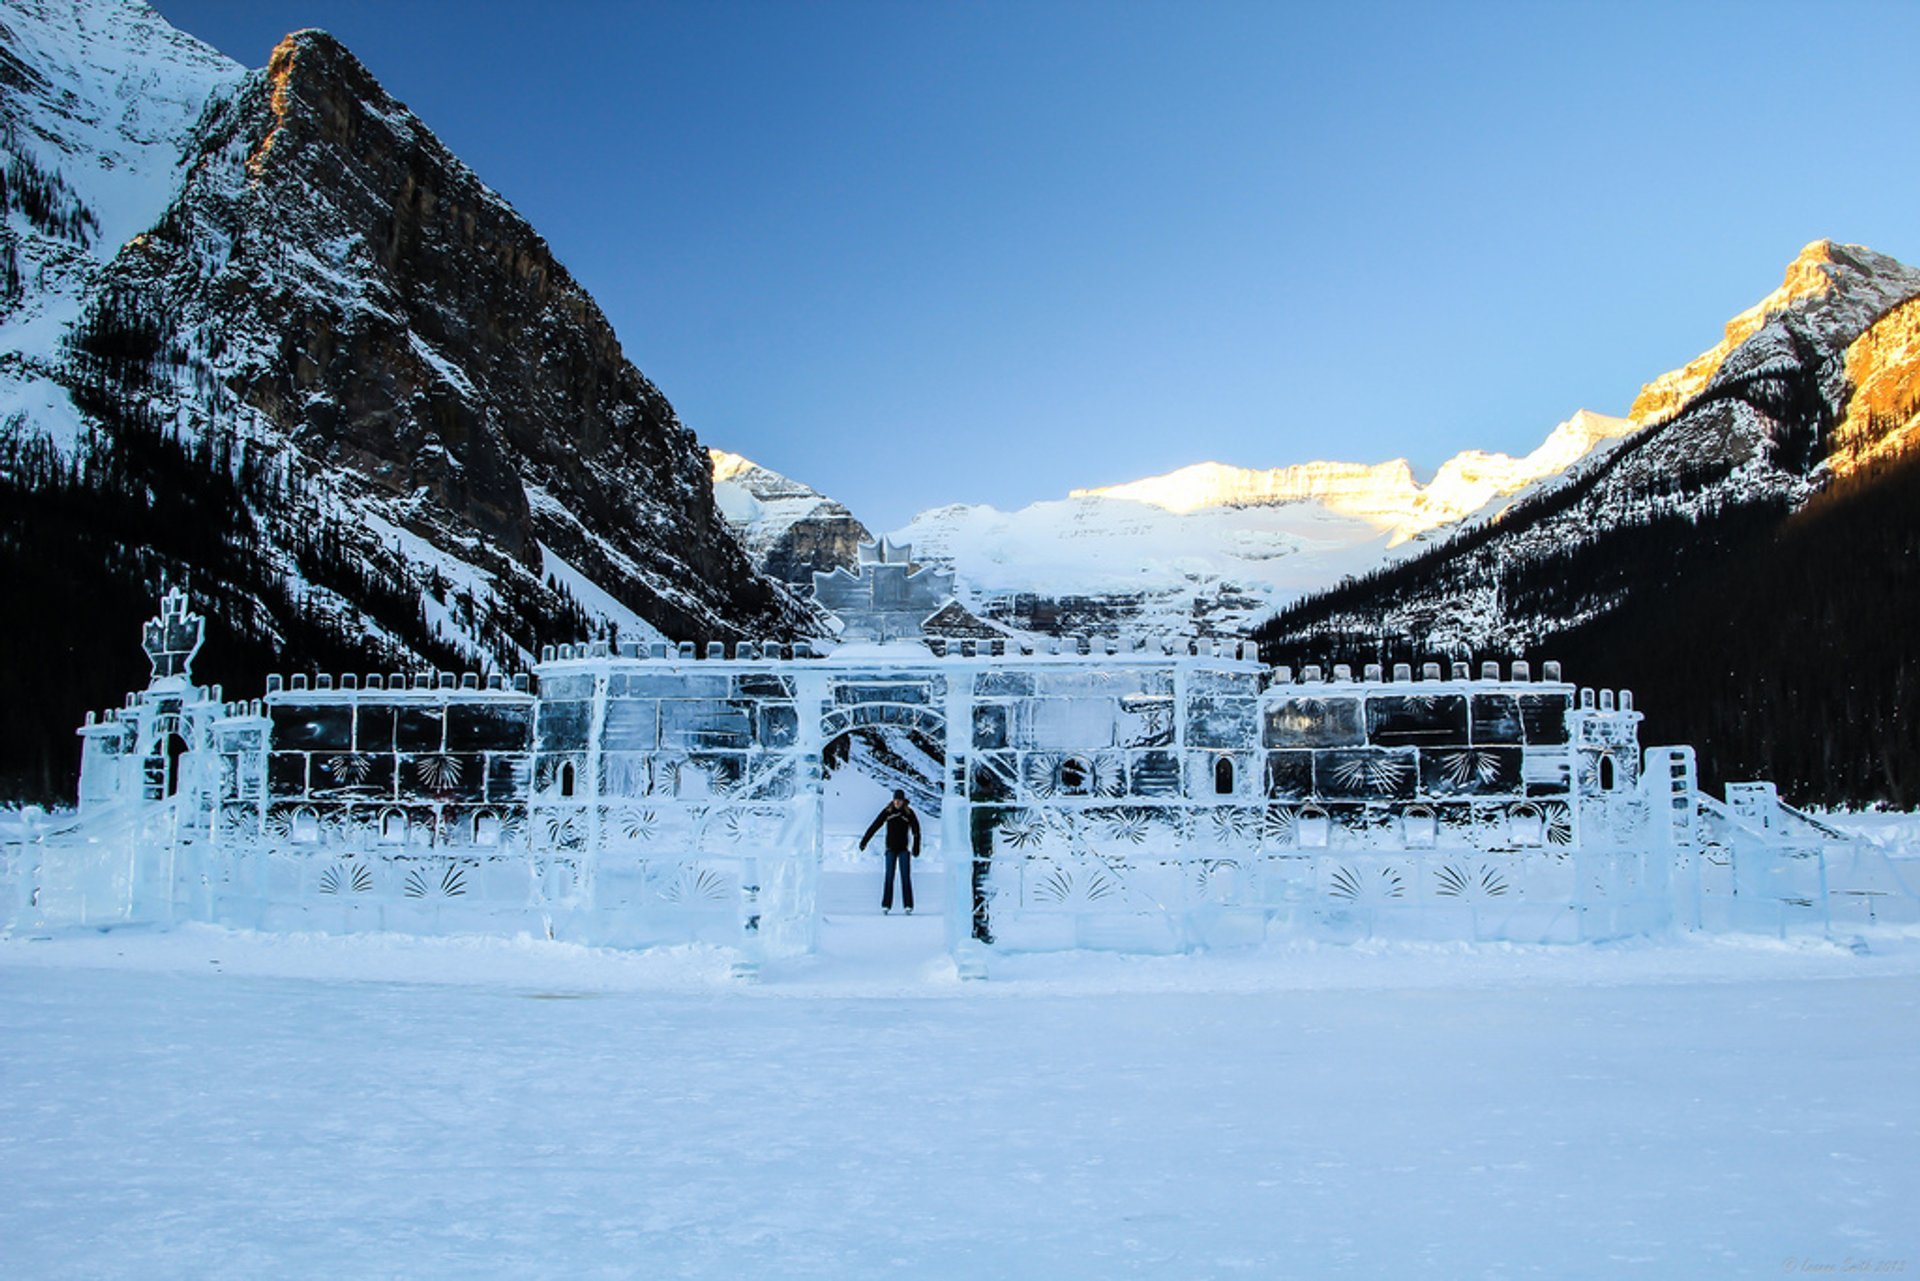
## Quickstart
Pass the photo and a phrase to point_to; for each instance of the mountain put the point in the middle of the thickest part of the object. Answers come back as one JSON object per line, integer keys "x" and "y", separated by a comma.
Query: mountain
{"x": 789, "y": 530}
{"x": 263, "y": 334}
{"x": 1747, "y": 560}
{"x": 1209, "y": 549}
{"x": 1213, "y": 549}
{"x": 1384, "y": 493}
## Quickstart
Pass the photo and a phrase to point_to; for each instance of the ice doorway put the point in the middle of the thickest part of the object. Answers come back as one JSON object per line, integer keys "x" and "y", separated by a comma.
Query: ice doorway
{"x": 872, "y": 748}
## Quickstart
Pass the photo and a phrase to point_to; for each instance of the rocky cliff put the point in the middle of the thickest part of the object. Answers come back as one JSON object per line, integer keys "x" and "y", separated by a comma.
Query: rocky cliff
{"x": 789, "y": 530}
{"x": 264, "y": 334}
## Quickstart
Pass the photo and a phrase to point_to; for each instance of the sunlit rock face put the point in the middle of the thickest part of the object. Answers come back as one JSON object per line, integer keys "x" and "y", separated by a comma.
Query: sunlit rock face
{"x": 404, "y": 322}
{"x": 1871, "y": 282}
{"x": 789, "y": 530}
{"x": 1883, "y": 415}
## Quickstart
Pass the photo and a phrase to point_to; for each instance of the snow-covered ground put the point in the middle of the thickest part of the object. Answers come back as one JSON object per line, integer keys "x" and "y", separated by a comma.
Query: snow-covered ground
{"x": 207, "y": 1103}
{"x": 1896, "y": 833}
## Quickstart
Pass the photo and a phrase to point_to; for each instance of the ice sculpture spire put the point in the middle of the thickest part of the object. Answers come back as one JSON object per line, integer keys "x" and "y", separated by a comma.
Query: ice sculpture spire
{"x": 173, "y": 638}
{"x": 889, "y": 598}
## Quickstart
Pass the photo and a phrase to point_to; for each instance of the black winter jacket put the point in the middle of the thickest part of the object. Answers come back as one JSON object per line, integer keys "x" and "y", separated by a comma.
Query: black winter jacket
{"x": 903, "y": 829}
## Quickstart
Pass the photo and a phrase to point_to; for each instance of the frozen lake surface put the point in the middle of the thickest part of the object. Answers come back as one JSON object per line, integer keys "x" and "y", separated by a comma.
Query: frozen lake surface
{"x": 206, "y": 1103}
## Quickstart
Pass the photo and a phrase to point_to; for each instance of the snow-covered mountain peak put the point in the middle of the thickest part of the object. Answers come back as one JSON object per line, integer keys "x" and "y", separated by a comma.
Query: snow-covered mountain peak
{"x": 790, "y": 530}
{"x": 1357, "y": 486}
{"x": 1852, "y": 280}
{"x": 1384, "y": 494}
{"x": 1210, "y": 546}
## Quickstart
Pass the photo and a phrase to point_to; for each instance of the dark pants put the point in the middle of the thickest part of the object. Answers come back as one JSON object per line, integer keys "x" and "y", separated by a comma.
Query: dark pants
{"x": 904, "y": 861}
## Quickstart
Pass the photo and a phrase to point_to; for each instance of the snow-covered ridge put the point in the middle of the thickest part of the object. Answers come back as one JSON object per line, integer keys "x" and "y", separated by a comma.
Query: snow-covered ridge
{"x": 112, "y": 99}
{"x": 1208, "y": 547}
{"x": 101, "y": 106}
{"x": 1385, "y": 492}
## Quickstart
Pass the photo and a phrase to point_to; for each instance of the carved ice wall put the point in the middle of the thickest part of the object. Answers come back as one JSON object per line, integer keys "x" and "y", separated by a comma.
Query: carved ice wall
{"x": 1108, "y": 795}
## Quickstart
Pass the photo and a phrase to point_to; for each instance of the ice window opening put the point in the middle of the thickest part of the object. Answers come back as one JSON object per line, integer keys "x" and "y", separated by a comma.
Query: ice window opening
{"x": 486, "y": 828}
{"x": 306, "y": 827}
{"x": 1223, "y": 776}
{"x": 393, "y": 827}
{"x": 1314, "y": 828}
{"x": 174, "y": 748}
{"x": 1421, "y": 828}
{"x": 566, "y": 779}
{"x": 1074, "y": 775}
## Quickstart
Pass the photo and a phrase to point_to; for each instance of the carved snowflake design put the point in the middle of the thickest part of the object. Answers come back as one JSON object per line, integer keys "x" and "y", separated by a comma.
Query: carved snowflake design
{"x": 1559, "y": 823}
{"x": 1040, "y": 774}
{"x": 1277, "y": 826}
{"x": 1023, "y": 829}
{"x": 777, "y": 731}
{"x": 1231, "y": 825}
{"x": 1153, "y": 718}
{"x": 637, "y": 824}
{"x": 1215, "y": 879}
{"x": 1109, "y": 774}
{"x": 1470, "y": 765}
{"x": 661, "y": 776}
{"x": 342, "y": 878}
{"x": 1126, "y": 827}
{"x": 720, "y": 781}
{"x": 1356, "y": 886}
{"x": 1062, "y": 887}
{"x": 733, "y": 827}
{"x": 352, "y": 768}
{"x": 1382, "y": 774}
{"x": 1455, "y": 881}
{"x": 696, "y": 885}
{"x": 561, "y": 831}
{"x": 548, "y": 777}
{"x": 420, "y": 883}
{"x": 437, "y": 773}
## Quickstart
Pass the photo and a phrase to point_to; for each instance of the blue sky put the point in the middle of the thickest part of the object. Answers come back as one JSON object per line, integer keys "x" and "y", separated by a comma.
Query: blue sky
{"x": 915, "y": 254}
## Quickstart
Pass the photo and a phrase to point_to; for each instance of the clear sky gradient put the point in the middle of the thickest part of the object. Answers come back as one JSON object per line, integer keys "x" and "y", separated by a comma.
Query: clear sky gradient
{"x": 915, "y": 254}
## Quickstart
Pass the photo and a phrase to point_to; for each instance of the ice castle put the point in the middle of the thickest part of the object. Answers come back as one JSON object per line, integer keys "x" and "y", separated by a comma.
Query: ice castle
{"x": 1103, "y": 793}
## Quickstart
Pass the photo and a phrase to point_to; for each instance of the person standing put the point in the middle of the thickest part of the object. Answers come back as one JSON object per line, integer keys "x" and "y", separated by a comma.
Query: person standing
{"x": 903, "y": 845}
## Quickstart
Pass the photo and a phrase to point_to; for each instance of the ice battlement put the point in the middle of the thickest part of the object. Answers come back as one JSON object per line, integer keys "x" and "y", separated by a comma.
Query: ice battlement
{"x": 350, "y": 684}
